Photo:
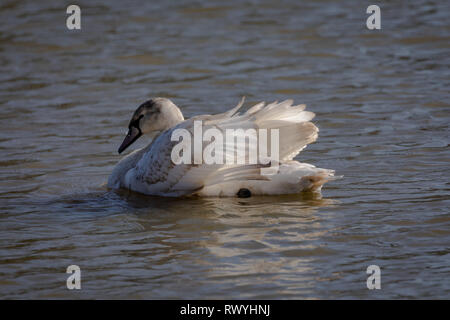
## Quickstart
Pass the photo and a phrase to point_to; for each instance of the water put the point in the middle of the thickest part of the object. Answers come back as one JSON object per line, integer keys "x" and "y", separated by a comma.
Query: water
{"x": 382, "y": 105}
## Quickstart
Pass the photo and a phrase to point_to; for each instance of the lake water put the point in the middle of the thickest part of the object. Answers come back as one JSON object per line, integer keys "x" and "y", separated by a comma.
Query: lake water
{"x": 381, "y": 99}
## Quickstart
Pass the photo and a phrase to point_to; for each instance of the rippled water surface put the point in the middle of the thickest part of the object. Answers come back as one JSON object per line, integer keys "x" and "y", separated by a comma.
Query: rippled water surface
{"x": 381, "y": 100}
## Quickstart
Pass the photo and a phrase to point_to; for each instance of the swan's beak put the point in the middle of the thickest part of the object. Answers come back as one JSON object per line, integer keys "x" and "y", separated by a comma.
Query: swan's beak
{"x": 132, "y": 135}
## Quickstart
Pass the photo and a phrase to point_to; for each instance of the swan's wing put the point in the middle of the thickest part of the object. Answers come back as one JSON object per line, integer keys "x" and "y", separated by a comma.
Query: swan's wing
{"x": 157, "y": 171}
{"x": 293, "y": 122}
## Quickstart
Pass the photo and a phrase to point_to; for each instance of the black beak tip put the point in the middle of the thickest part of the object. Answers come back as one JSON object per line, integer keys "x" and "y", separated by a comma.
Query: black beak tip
{"x": 132, "y": 136}
{"x": 122, "y": 148}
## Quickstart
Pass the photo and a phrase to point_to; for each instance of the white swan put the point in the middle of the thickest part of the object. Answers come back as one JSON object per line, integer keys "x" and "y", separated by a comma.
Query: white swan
{"x": 150, "y": 170}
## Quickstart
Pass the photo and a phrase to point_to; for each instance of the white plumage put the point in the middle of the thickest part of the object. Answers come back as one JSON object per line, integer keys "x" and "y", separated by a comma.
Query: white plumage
{"x": 150, "y": 170}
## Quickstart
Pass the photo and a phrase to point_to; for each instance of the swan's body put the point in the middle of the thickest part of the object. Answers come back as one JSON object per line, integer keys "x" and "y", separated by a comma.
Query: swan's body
{"x": 150, "y": 170}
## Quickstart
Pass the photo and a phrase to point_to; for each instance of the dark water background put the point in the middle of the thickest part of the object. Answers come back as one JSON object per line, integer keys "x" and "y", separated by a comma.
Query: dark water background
{"x": 382, "y": 103}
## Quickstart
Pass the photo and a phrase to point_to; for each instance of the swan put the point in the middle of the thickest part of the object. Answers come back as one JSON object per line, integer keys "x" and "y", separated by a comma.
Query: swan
{"x": 151, "y": 170}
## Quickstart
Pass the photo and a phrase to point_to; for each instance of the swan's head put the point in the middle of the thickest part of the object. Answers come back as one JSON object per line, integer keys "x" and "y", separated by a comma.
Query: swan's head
{"x": 154, "y": 115}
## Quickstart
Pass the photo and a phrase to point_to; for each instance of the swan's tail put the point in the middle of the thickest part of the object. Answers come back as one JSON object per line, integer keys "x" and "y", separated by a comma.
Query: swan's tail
{"x": 315, "y": 182}
{"x": 299, "y": 177}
